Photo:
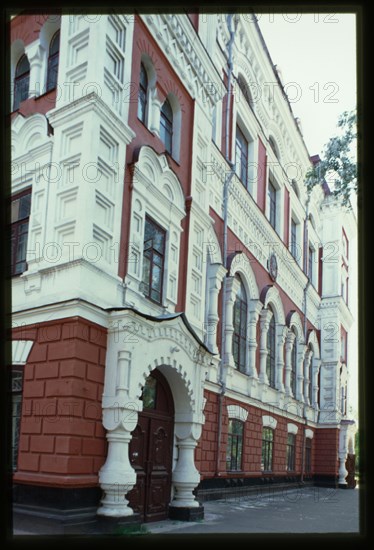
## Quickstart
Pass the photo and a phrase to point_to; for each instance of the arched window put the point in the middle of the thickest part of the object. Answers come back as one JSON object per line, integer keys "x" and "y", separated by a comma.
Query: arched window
{"x": 53, "y": 56}
{"x": 234, "y": 451}
{"x": 240, "y": 328}
{"x": 142, "y": 95}
{"x": 270, "y": 360}
{"x": 21, "y": 81}
{"x": 310, "y": 379}
{"x": 166, "y": 126}
{"x": 274, "y": 147}
{"x": 294, "y": 365}
{"x": 244, "y": 88}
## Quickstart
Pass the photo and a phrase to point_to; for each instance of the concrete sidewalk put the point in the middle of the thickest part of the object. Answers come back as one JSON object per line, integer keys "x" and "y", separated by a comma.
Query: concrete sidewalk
{"x": 299, "y": 510}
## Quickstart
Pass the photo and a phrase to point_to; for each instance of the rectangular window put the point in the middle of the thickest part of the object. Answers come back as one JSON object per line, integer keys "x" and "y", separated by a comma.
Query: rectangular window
{"x": 293, "y": 243}
{"x": 153, "y": 260}
{"x": 272, "y": 196}
{"x": 308, "y": 455}
{"x": 20, "y": 213}
{"x": 267, "y": 450}
{"x": 234, "y": 450}
{"x": 241, "y": 156}
{"x": 291, "y": 449}
{"x": 310, "y": 265}
{"x": 16, "y": 383}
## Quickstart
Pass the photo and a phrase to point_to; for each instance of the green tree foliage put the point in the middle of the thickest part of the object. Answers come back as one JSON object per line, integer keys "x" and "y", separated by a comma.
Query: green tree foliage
{"x": 338, "y": 163}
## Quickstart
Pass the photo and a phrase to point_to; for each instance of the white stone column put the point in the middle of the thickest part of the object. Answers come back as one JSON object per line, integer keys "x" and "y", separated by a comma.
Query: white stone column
{"x": 265, "y": 317}
{"x": 117, "y": 477}
{"x": 232, "y": 288}
{"x": 307, "y": 362}
{"x": 290, "y": 340}
{"x": 299, "y": 372}
{"x": 281, "y": 334}
{"x": 37, "y": 58}
{"x": 154, "y": 112}
{"x": 255, "y": 306}
{"x": 186, "y": 477}
{"x": 216, "y": 272}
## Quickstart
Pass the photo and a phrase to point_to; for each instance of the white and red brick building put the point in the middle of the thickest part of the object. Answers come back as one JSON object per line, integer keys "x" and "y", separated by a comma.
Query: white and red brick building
{"x": 159, "y": 351}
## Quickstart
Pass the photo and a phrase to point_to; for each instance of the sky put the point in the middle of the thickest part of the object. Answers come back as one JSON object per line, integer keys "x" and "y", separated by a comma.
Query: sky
{"x": 316, "y": 54}
{"x": 317, "y": 57}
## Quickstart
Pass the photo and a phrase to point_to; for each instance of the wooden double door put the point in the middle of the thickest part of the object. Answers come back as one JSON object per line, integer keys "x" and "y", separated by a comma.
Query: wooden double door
{"x": 151, "y": 450}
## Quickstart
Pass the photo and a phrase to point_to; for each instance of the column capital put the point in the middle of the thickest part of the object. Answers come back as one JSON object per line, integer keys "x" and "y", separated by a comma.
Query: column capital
{"x": 265, "y": 318}
{"x": 232, "y": 288}
{"x": 216, "y": 271}
{"x": 255, "y": 307}
{"x": 290, "y": 339}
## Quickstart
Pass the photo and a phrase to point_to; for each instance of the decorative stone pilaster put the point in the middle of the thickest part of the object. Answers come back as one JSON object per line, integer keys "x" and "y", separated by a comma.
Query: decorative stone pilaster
{"x": 117, "y": 477}
{"x": 290, "y": 340}
{"x": 36, "y": 56}
{"x": 307, "y": 362}
{"x": 154, "y": 112}
{"x": 216, "y": 272}
{"x": 265, "y": 317}
{"x": 185, "y": 477}
{"x": 232, "y": 288}
{"x": 299, "y": 372}
{"x": 282, "y": 331}
{"x": 255, "y": 307}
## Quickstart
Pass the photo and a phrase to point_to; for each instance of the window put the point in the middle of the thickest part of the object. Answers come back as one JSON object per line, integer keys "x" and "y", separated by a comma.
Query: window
{"x": 20, "y": 212}
{"x": 54, "y": 52}
{"x": 166, "y": 126}
{"x": 21, "y": 82}
{"x": 310, "y": 264}
{"x": 142, "y": 95}
{"x": 270, "y": 360}
{"x": 16, "y": 403}
{"x": 310, "y": 382}
{"x": 267, "y": 449}
{"x": 291, "y": 449}
{"x": 153, "y": 260}
{"x": 272, "y": 196}
{"x": 240, "y": 328}
{"x": 245, "y": 91}
{"x": 149, "y": 393}
{"x": 308, "y": 455}
{"x": 293, "y": 238}
{"x": 241, "y": 156}
{"x": 294, "y": 366}
{"x": 234, "y": 446}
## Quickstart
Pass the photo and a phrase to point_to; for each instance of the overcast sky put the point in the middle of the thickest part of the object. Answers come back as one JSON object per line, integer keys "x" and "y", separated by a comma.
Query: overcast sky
{"x": 317, "y": 56}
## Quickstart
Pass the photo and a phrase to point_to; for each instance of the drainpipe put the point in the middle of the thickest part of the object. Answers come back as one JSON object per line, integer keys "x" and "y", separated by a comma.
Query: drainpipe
{"x": 226, "y": 186}
{"x": 305, "y": 265}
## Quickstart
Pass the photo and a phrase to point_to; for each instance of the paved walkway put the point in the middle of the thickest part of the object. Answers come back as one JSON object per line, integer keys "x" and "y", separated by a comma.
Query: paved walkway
{"x": 307, "y": 510}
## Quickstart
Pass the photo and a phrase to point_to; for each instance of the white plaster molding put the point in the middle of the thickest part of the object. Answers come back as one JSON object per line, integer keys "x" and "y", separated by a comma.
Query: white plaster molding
{"x": 235, "y": 411}
{"x": 309, "y": 433}
{"x": 20, "y": 351}
{"x": 292, "y": 428}
{"x": 269, "y": 421}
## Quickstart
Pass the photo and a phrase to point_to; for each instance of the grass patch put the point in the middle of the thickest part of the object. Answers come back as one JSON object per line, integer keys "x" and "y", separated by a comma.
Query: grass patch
{"x": 132, "y": 530}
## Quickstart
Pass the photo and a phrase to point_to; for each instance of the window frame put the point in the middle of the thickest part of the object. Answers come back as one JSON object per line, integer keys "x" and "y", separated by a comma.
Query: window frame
{"x": 308, "y": 455}
{"x": 293, "y": 373}
{"x": 234, "y": 442}
{"x": 311, "y": 257}
{"x": 52, "y": 58}
{"x": 240, "y": 331}
{"x": 149, "y": 219}
{"x": 15, "y": 226}
{"x": 242, "y": 145}
{"x": 271, "y": 359}
{"x": 267, "y": 449}
{"x": 15, "y": 419}
{"x": 168, "y": 127}
{"x": 293, "y": 240}
{"x": 291, "y": 452}
{"x": 272, "y": 198}
{"x": 143, "y": 99}
{"x": 18, "y": 83}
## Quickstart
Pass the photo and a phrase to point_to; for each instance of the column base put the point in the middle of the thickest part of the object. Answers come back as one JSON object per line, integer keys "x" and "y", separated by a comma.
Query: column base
{"x": 186, "y": 514}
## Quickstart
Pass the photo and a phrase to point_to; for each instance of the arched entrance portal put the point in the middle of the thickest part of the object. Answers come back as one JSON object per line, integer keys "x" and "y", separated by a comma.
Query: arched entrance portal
{"x": 151, "y": 450}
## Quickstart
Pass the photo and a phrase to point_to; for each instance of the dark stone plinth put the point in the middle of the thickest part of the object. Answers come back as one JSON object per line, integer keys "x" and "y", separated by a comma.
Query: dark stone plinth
{"x": 186, "y": 514}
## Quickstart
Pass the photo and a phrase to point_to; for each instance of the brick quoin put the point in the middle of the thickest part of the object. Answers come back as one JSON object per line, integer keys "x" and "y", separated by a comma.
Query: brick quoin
{"x": 62, "y": 440}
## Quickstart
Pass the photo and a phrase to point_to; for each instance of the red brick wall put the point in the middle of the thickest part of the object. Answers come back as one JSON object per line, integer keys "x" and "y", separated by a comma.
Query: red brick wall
{"x": 326, "y": 446}
{"x": 62, "y": 441}
{"x": 206, "y": 451}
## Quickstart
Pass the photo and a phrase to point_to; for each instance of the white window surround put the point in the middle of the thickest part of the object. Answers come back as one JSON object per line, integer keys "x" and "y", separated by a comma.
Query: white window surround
{"x": 50, "y": 27}
{"x": 235, "y": 411}
{"x": 153, "y": 104}
{"x": 299, "y": 240}
{"x": 269, "y": 422}
{"x": 279, "y": 188}
{"x": 158, "y": 194}
{"x": 292, "y": 428}
{"x": 309, "y": 434}
{"x": 177, "y": 124}
{"x": 20, "y": 351}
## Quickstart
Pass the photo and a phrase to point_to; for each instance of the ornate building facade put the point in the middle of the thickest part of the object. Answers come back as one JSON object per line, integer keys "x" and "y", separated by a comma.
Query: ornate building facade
{"x": 180, "y": 301}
